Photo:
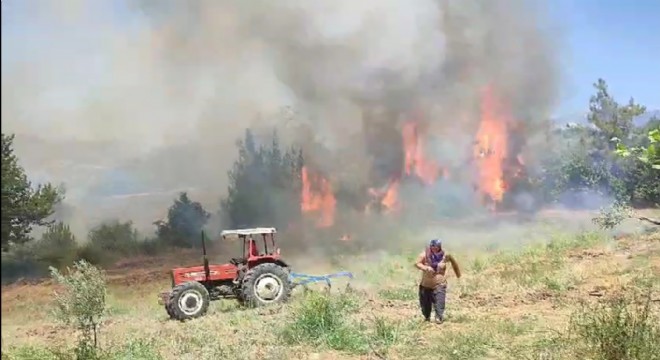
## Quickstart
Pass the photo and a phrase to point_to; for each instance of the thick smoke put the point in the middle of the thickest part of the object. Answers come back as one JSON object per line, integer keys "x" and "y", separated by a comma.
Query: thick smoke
{"x": 150, "y": 96}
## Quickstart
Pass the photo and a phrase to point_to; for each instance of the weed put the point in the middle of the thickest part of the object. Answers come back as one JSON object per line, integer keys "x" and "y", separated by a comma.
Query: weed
{"x": 458, "y": 317}
{"x": 560, "y": 282}
{"x": 467, "y": 346}
{"x": 320, "y": 319}
{"x": 622, "y": 328}
{"x": 532, "y": 267}
{"x": 478, "y": 265}
{"x": 508, "y": 327}
{"x": 34, "y": 353}
{"x": 385, "y": 334}
{"x": 548, "y": 347}
{"x": 467, "y": 289}
{"x": 134, "y": 349}
{"x": 398, "y": 294}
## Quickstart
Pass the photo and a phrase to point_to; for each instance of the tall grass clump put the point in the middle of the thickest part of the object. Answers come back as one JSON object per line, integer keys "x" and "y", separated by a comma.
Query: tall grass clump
{"x": 321, "y": 320}
{"x": 623, "y": 327}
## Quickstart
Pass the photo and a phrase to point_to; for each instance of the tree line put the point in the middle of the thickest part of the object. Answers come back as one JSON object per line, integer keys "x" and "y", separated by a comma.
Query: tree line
{"x": 610, "y": 156}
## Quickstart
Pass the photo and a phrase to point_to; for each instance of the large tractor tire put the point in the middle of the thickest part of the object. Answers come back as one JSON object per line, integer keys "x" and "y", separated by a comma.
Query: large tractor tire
{"x": 188, "y": 301}
{"x": 265, "y": 284}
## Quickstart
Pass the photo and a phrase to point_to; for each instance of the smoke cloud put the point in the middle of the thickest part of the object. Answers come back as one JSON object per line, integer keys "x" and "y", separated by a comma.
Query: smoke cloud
{"x": 129, "y": 102}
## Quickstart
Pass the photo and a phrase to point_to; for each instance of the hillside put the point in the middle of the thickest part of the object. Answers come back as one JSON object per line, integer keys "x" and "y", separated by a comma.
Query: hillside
{"x": 509, "y": 304}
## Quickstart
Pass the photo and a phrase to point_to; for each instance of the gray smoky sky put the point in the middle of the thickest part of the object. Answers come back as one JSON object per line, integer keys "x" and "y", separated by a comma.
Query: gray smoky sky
{"x": 129, "y": 102}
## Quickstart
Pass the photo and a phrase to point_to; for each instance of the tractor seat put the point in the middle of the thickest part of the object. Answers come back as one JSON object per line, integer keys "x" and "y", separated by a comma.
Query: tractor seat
{"x": 253, "y": 248}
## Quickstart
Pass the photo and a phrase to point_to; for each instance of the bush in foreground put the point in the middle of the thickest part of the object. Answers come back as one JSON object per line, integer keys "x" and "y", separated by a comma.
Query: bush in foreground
{"x": 620, "y": 328}
{"x": 320, "y": 320}
{"x": 323, "y": 320}
{"x": 82, "y": 304}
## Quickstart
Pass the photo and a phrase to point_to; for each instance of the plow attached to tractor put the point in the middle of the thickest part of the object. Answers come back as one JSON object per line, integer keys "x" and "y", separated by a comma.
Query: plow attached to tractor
{"x": 260, "y": 277}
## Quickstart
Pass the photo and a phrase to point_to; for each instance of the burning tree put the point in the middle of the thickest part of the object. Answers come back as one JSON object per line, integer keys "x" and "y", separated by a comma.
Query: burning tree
{"x": 317, "y": 197}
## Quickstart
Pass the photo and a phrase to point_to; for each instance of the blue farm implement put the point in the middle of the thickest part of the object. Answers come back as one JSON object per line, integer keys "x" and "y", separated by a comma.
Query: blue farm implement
{"x": 303, "y": 279}
{"x": 259, "y": 277}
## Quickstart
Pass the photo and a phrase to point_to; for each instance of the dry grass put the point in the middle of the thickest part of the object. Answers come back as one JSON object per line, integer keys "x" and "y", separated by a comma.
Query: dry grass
{"x": 508, "y": 305}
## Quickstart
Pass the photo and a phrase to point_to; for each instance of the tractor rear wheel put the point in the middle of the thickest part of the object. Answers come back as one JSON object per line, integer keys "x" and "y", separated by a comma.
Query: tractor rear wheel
{"x": 265, "y": 284}
{"x": 188, "y": 301}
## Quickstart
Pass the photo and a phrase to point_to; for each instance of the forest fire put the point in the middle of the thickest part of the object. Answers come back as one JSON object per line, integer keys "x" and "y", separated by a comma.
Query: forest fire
{"x": 416, "y": 161}
{"x": 391, "y": 199}
{"x": 490, "y": 149}
{"x": 490, "y": 154}
{"x": 317, "y": 197}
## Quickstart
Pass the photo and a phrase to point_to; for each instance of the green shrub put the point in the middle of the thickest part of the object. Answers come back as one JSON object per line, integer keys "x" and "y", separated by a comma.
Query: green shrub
{"x": 608, "y": 218}
{"x": 320, "y": 320}
{"x": 94, "y": 254}
{"x": 82, "y": 304}
{"x": 385, "y": 334}
{"x": 115, "y": 237}
{"x": 620, "y": 328}
{"x": 113, "y": 240}
{"x": 57, "y": 246}
{"x": 151, "y": 246}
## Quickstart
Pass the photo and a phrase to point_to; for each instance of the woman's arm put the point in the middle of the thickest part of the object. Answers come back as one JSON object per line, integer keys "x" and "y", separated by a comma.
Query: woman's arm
{"x": 421, "y": 263}
{"x": 454, "y": 265}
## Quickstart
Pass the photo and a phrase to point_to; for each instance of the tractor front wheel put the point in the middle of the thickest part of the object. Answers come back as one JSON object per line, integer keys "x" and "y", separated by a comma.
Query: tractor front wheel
{"x": 188, "y": 301}
{"x": 265, "y": 284}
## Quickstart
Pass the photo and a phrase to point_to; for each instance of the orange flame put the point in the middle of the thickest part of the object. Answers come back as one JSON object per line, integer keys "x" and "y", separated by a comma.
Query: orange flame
{"x": 391, "y": 199}
{"x": 388, "y": 195}
{"x": 491, "y": 146}
{"x": 321, "y": 202}
{"x": 415, "y": 159}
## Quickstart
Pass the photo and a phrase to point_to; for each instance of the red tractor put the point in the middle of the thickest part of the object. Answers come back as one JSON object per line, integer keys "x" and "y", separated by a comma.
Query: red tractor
{"x": 260, "y": 277}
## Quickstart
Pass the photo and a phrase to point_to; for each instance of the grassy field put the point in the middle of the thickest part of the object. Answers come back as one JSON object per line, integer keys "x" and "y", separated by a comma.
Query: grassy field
{"x": 550, "y": 299}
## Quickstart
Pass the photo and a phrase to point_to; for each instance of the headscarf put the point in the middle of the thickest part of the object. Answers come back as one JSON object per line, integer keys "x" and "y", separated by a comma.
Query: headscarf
{"x": 433, "y": 259}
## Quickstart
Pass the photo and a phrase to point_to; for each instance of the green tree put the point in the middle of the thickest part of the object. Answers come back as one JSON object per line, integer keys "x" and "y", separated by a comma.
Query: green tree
{"x": 609, "y": 117}
{"x": 585, "y": 159}
{"x": 649, "y": 154}
{"x": 57, "y": 246}
{"x": 642, "y": 168}
{"x": 23, "y": 206}
{"x": 264, "y": 184}
{"x": 576, "y": 166}
{"x": 185, "y": 221}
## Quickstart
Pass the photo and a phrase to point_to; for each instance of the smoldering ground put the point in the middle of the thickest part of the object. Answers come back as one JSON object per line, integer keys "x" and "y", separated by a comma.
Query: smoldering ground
{"x": 120, "y": 99}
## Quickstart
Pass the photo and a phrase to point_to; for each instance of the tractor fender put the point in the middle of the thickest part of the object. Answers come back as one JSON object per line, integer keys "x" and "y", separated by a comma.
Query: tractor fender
{"x": 282, "y": 263}
{"x": 278, "y": 262}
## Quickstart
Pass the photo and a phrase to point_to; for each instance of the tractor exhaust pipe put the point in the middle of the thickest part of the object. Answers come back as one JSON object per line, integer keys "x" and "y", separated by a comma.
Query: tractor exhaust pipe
{"x": 207, "y": 271}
